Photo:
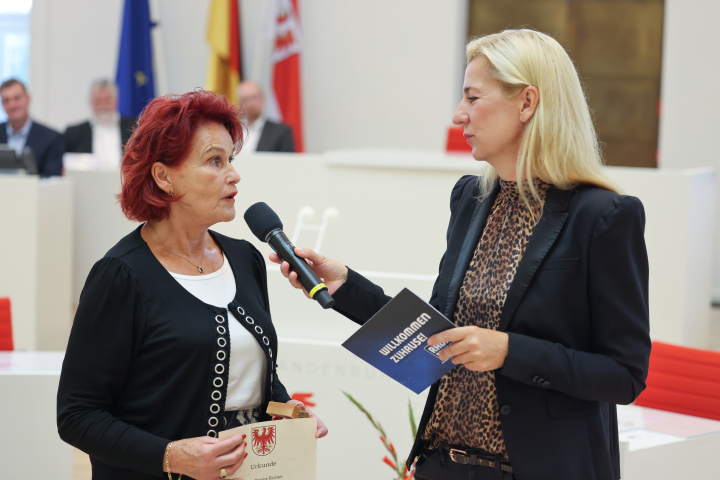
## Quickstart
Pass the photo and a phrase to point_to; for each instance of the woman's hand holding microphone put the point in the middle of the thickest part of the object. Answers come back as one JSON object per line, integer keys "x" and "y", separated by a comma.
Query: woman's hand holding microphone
{"x": 331, "y": 272}
{"x": 476, "y": 348}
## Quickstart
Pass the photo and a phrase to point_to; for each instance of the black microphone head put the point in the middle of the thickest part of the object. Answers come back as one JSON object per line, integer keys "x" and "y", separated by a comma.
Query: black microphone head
{"x": 262, "y": 220}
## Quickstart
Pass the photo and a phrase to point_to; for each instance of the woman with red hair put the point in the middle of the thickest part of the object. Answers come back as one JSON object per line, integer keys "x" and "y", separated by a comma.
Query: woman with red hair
{"x": 172, "y": 341}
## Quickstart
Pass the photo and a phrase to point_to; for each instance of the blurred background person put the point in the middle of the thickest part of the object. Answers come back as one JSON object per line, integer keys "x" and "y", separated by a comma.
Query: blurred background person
{"x": 21, "y": 131}
{"x": 172, "y": 341}
{"x": 545, "y": 275}
{"x": 263, "y": 135}
{"x": 106, "y": 132}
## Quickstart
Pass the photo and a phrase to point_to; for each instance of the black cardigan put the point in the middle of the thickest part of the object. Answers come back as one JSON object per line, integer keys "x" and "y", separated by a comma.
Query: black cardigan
{"x": 577, "y": 318}
{"x": 147, "y": 362}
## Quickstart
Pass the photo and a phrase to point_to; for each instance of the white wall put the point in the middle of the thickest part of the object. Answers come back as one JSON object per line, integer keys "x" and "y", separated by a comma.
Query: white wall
{"x": 689, "y": 121}
{"x": 374, "y": 74}
{"x": 72, "y": 43}
{"x": 382, "y": 73}
{"x": 371, "y": 77}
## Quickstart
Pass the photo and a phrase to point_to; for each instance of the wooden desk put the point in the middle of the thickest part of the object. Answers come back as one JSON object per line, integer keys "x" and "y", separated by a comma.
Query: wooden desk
{"x": 30, "y": 443}
{"x": 659, "y": 445}
{"x": 654, "y": 444}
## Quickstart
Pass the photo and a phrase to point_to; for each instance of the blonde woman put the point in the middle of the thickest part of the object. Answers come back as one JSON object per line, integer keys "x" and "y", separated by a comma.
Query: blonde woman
{"x": 545, "y": 275}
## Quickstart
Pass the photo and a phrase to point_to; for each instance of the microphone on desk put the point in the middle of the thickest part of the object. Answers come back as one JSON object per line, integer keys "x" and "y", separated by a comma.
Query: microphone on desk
{"x": 266, "y": 226}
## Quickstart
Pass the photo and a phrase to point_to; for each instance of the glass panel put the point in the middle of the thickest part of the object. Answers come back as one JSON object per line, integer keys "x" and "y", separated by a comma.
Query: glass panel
{"x": 15, "y": 6}
{"x": 14, "y": 42}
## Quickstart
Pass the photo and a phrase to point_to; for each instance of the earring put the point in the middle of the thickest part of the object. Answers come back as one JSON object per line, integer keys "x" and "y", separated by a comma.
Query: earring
{"x": 171, "y": 194}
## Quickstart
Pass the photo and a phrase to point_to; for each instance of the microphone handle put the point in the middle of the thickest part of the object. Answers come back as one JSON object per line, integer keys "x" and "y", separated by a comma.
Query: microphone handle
{"x": 317, "y": 290}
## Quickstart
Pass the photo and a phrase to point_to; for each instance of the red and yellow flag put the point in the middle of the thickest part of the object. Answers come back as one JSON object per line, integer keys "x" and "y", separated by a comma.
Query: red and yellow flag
{"x": 286, "y": 67}
{"x": 223, "y": 35}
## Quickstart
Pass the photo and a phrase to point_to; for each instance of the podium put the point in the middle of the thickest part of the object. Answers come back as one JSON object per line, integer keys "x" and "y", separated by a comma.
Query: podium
{"x": 382, "y": 198}
{"x": 98, "y": 220}
{"x": 36, "y": 258}
{"x": 29, "y": 382}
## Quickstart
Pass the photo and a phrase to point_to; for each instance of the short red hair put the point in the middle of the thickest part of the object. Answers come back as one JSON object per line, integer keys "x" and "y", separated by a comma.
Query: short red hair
{"x": 164, "y": 133}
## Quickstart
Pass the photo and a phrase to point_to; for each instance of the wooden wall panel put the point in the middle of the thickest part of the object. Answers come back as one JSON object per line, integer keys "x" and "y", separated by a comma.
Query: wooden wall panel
{"x": 617, "y": 47}
{"x": 543, "y": 15}
{"x": 623, "y": 108}
{"x": 620, "y": 152}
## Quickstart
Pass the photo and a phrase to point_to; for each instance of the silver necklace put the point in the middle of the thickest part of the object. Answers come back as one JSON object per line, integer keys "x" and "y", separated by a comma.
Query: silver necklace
{"x": 200, "y": 269}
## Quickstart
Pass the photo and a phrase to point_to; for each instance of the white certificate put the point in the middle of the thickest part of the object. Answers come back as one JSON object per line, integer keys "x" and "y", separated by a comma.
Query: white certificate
{"x": 278, "y": 450}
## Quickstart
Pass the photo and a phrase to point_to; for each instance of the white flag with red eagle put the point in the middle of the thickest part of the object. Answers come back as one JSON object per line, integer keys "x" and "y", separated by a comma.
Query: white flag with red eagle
{"x": 286, "y": 67}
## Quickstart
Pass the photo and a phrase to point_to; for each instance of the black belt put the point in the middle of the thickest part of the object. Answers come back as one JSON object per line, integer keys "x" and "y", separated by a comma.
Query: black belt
{"x": 465, "y": 458}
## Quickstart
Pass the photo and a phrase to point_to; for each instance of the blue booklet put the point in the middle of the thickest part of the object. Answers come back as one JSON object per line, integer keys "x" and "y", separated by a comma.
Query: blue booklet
{"x": 394, "y": 341}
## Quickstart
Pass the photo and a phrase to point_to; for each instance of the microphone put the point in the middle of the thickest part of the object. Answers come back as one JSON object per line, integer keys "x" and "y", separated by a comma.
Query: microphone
{"x": 266, "y": 226}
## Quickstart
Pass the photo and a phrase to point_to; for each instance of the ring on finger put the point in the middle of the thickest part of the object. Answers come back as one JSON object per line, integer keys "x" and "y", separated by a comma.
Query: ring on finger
{"x": 223, "y": 473}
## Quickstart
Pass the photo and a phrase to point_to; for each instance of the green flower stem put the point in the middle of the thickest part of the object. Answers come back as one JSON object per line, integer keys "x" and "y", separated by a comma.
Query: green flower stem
{"x": 383, "y": 437}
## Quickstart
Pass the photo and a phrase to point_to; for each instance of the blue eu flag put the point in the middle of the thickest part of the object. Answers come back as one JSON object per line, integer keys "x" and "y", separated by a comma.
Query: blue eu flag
{"x": 135, "y": 81}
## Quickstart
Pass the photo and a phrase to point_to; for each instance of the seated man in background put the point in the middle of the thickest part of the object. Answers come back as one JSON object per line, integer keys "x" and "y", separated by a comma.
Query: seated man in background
{"x": 263, "y": 135}
{"x": 105, "y": 134}
{"x": 21, "y": 131}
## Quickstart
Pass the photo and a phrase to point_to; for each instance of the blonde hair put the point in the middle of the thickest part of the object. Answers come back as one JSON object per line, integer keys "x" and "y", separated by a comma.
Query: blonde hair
{"x": 559, "y": 144}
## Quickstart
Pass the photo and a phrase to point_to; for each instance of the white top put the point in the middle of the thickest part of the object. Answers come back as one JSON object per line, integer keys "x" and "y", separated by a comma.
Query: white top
{"x": 107, "y": 142}
{"x": 248, "y": 366}
{"x": 254, "y": 131}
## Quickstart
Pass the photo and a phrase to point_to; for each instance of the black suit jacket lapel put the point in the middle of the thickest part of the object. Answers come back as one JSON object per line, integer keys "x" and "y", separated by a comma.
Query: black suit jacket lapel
{"x": 265, "y": 142}
{"x": 542, "y": 239}
{"x": 32, "y": 137}
{"x": 87, "y": 137}
{"x": 472, "y": 237}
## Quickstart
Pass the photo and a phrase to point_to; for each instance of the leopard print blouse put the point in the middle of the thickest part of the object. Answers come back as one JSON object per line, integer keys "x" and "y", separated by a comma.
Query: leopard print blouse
{"x": 466, "y": 408}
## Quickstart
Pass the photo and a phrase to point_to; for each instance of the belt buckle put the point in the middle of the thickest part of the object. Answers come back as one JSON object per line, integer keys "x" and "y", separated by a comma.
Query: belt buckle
{"x": 454, "y": 451}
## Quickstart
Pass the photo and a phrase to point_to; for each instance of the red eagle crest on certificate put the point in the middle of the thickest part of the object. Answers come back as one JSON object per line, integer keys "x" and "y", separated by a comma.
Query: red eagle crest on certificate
{"x": 263, "y": 440}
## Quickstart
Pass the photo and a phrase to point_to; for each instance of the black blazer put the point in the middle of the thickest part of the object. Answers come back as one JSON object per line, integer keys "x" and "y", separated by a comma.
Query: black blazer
{"x": 47, "y": 145}
{"x": 78, "y": 138}
{"x": 147, "y": 362}
{"x": 276, "y": 137}
{"x": 577, "y": 319}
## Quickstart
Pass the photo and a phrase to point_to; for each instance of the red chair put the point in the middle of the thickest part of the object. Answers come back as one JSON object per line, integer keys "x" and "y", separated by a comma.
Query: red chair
{"x": 456, "y": 142}
{"x": 6, "y": 338}
{"x": 683, "y": 380}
